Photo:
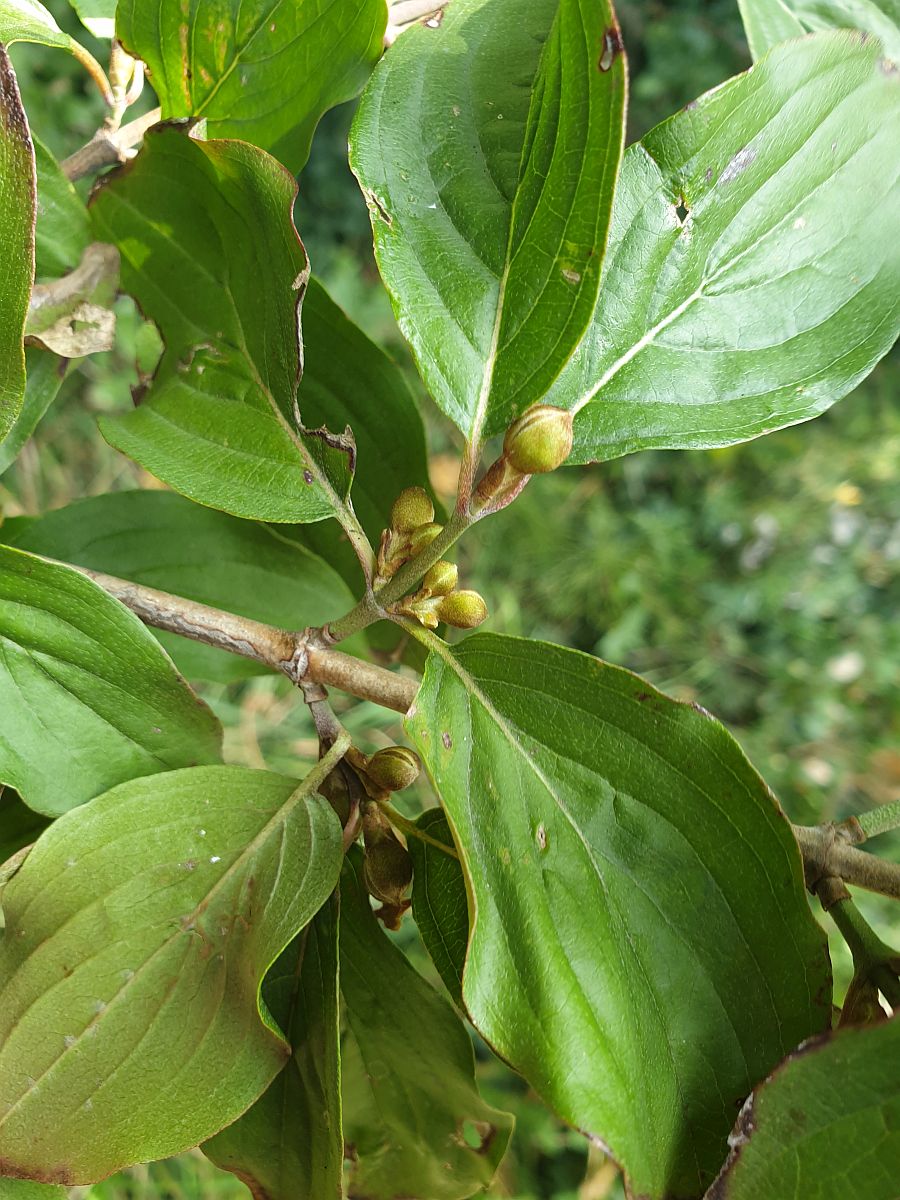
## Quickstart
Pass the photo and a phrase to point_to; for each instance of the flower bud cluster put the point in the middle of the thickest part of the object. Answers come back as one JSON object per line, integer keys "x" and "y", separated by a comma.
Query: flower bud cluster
{"x": 412, "y": 529}
{"x": 439, "y": 600}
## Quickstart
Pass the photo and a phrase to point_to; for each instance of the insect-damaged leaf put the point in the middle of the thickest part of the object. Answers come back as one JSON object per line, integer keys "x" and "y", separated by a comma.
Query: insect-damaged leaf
{"x": 138, "y": 931}
{"x": 488, "y": 145}
{"x": 641, "y": 947}
{"x": 210, "y": 252}
{"x": 88, "y": 696}
{"x": 413, "y": 1119}
{"x": 290, "y": 1142}
{"x": 261, "y": 71}
{"x": 751, "y": 278}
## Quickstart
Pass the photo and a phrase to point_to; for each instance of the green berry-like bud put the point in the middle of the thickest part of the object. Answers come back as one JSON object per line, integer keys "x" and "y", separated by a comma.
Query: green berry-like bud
{"x": 541, "y": 440}
{"x": 464, "y": 610}
{"x": 441, "y": 579}
{"x": 394, "y": 768}
{"x": 422, "y": 537}
{"x": 412, "y": 508}
{"x": 387, "y": 871}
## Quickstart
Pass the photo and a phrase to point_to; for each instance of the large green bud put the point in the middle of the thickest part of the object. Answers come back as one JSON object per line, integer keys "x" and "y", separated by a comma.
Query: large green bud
{"x": 412, "y": 508}
{"x": 464, "y": 610}
{"x": 441, "y": 579}
{"x": 540, "y": 441}
{"x": 394, "y": 768}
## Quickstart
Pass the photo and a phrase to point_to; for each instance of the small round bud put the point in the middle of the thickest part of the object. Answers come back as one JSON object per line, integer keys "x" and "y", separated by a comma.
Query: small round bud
{"x": 422, "y": 537}
{"x": 541, "y": 440}
{"x": 464, "y": 610}
{"x": 387, "y": 871}
{"x": 412, "y": 508}
{"x": 441, "y": 579}
{"x": 394, "y": 768}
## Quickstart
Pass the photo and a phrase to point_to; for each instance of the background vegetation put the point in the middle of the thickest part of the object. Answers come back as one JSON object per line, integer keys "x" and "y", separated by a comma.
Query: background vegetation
{"x": 762, "y": 581}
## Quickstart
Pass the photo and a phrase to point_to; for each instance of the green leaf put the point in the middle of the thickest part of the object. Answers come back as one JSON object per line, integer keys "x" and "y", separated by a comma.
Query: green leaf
{"x": 751, "y": 279}
{"x": 412, "y": 1113}
{"x": 488, "y": 149}
{"x": 642, "y": 949}
{"x": 97, "y": 16}
{"x": 348, "y": 380}
{"x": 29, "y": 21}
{"x": 439, "y": 904}
{"x": 211, "y": 254}
{"x": 164, "y": 541}
{"x": 768, "y": 22}
{"x": 290, "y": 1142}
{"x": 63, "y": 230}
{"x": 45, "y": 374}
{"x": 263, "y": 71}
{"x": 73, "y": 316}
{"x": 139, "y": 929}
{"x": 89, "y": 699}
{"x": 825, "y": 1125}
{"x": 22, "y": 1189}
{"x": 17, "y": 186}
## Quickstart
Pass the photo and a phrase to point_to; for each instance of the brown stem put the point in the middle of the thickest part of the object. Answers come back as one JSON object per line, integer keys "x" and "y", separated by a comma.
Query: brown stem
{"x": 301, "y": 655}
{"x": 106, "y": 148}
{"x": 826, "y": 853}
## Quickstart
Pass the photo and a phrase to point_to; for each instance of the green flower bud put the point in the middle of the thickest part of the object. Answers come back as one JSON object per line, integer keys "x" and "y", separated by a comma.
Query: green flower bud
{"x": 441, "y": 579}
{"x": 541, "y": 440}
{"x": 394, "y": 768}
{"x": 412, "y": 508}
{"x": 464, "y": 610}
{"x": 387, "y": 871}
{"x": 422, "y": 537}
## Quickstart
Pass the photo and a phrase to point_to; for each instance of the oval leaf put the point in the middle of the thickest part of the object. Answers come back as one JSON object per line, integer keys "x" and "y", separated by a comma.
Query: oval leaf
{"x": 641, "y": 950}
{"x": 164, "y": 541}
{"x": 413, "y": 1119}
{"x": 262, "y": 71}
{"x": 89, "y": 699}
{"x": 139, "y": 929}
{"x": 825, "y": 1124}
{"x": 290, "y": 1142}
{"x": 210, "y": 252}
{"x": 488, "y": 149}
{"x": 751, "y": 279}
{"x": 17, "y": 185}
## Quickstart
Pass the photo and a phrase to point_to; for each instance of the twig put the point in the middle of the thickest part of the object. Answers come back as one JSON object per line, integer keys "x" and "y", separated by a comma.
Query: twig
{"x": 870, "y": 824}
{"x": 411, "y": 829}
{"x": 106, "y": 148}
{"x": 828, "y": 853}
{"x": 301, "y": 655}
{"x": 873, "y": 959}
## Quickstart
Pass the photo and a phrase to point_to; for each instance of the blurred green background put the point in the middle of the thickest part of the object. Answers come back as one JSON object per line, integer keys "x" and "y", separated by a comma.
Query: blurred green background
{"x": 762, "y": 581}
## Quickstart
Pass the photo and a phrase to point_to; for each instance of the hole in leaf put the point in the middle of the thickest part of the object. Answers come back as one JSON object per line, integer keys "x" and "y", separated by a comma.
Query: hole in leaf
{"x": 681, "y": 210}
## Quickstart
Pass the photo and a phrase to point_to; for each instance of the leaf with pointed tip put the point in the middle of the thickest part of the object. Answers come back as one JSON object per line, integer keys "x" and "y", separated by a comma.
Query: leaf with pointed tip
{"x": 63, "y": 229}
{"x": 641, "y": 948}
{"x": 210, "y": 252}
{"x": 290, "y": 1142}
{"x": 412, "y": 1113}
{"x": 45, "y": 374}
{"x": 164, "y": 541}
{"x": 264, "y": 71}
{"x": 17, "y": 188}
{"x": 88, "y": 696}
{"x": 439, "y": 904}
{"x": 751, "y": 279}
{"x": 768, "y": 22}
{"x": 825, "y": 1125}
{"x": 488, "y": 149}
{"x": 139, "y": 929}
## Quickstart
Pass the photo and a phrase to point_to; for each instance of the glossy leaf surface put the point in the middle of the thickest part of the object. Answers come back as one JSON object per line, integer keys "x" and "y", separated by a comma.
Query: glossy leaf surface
{"x": 262, "y": 71}
{"x": 751, "y": 279}
{"x": 487, "y": 145}
{"x": 88, "y": 696}
{"x": 641, "y": 949}
{"x": 210, "y": 252}
{"x": 139, "y": 929}
{"x": 30, "y": 21}
{"x": 412, "y": 1113}
{"x": 825, "y": 1125}
{"x": 17, "y": 208}
{"x": 439, "y": 905}
{"x": 768, "y": 22}
{"x": 290, "y": 1143}
{"x": 166, "y": 542}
